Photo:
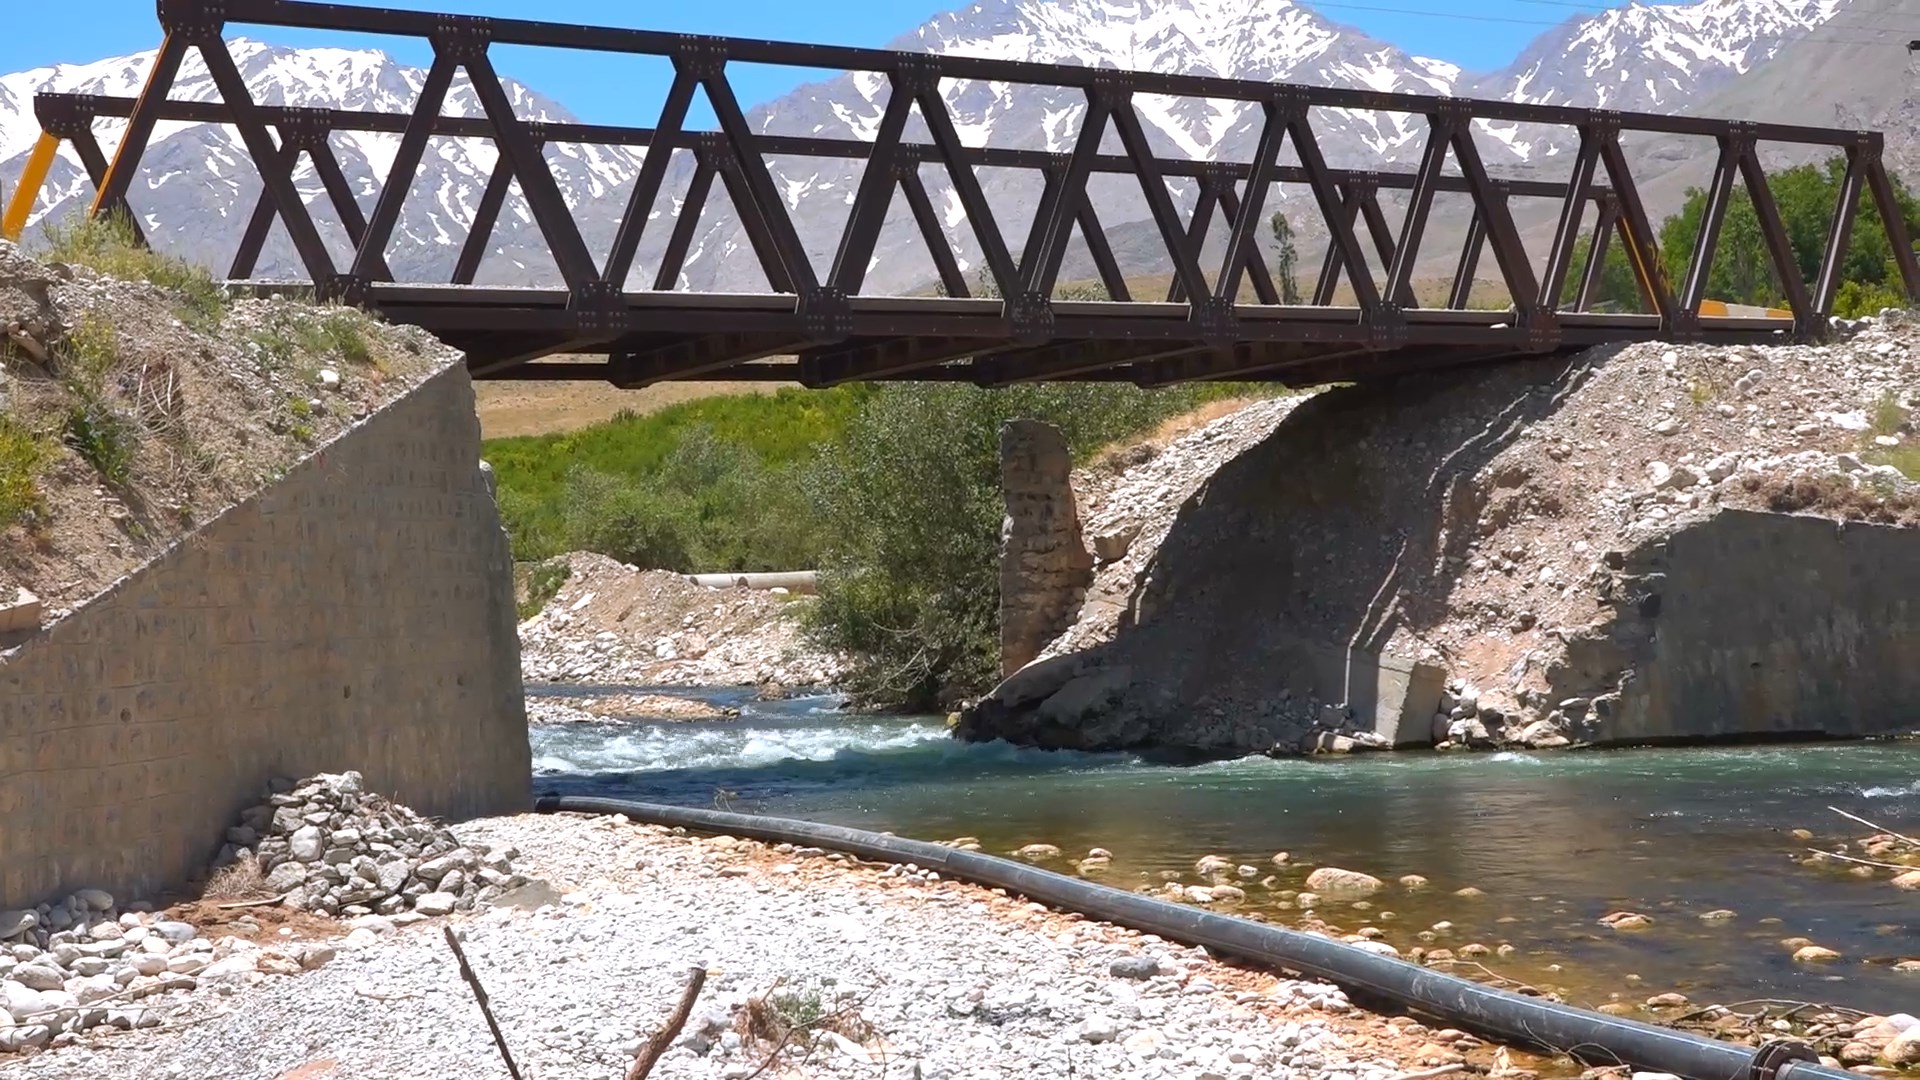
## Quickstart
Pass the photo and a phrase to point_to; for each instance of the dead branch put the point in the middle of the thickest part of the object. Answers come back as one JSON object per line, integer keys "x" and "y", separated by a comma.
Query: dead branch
{"x": 24, "y": 340}
{"x": 1764, "y": 1003}
{"x": 1862, "y": 862}
{"x": 1875, "y": 828}
{"x": 480, "y": 995}
{"x": 1429, "y": 1074}
{"x": 252, "y": 903}
{"x": 657, "y": 1044}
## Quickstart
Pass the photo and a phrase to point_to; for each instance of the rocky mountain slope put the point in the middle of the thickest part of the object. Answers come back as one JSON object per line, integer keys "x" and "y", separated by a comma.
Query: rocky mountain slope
{"x": 1638, "y": 57}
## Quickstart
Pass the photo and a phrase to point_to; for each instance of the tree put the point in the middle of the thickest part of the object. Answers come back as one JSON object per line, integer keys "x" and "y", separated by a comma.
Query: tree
{"x": 1617, "y": 288}
{"x": 1806, "y": 195}
{"x": 1285, "y": 257}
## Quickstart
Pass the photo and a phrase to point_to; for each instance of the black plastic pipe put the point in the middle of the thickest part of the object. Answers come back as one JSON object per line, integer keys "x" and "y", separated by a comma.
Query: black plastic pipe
{"x": 1498, "y": 1014}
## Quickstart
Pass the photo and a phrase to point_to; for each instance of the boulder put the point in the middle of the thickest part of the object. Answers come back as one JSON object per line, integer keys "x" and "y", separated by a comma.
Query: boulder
{"x": 1814, "y": 954}
{"x": 1338, "y": 883}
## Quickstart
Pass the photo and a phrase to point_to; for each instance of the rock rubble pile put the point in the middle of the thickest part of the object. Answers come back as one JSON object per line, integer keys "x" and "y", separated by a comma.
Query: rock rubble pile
{"x": 327, "y": 845}
{"x": 613, "y": 623}
{"x": 81, "y": 963}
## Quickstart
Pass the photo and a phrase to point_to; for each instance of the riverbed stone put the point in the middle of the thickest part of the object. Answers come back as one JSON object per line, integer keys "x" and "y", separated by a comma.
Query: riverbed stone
{"x": 1038, "y": 851}
{"x": 1904, "y": 1049}
{"x": 1625, "y": 920}
{"x": 1909, "y": 881}
{"x": 15, "y": 923}
{"x": 1134, "y": 967}
{"x": 1339, "y": 883}
{"x": 1814, "y": 954}
{"x": 436, "y": 903}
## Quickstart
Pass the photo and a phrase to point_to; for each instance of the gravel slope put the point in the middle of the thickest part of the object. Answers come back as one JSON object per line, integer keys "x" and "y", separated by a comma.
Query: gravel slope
{"x": 955, "y": 981}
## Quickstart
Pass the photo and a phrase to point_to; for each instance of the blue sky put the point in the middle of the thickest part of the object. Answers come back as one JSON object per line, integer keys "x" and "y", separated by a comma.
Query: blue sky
{"x": 1476, "y": 34}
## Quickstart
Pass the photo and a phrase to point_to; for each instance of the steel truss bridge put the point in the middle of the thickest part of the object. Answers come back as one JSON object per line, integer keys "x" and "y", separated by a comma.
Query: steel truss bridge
{"x": 823, "y": 330}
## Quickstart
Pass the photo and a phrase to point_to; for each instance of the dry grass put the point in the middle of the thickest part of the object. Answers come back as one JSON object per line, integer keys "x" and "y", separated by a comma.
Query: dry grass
{"x": 243, "y": 880}
{"x": 1834, "y": 496}
{"x": 790, "y": 1022}
{"x": 1122, "y": 456}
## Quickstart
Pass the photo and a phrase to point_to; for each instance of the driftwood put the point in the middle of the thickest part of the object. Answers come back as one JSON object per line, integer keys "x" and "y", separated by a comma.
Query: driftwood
{"x": 657, "y": 1044}
{"x": 1862, "y": 862}
{"x": 1429, "y": 1074}
{"x": 1876, "y": 828}
{"x": 480, "y": 995}
{"x": 267, "y": 902}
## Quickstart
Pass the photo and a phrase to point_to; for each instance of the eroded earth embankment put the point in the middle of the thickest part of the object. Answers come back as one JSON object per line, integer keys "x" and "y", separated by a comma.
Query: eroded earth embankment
{"x": 1640, "y": 543}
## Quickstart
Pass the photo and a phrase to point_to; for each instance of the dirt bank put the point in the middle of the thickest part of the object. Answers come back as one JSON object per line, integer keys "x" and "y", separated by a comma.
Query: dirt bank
{"x": 1514, "y": 534}
{"x": 611, "y": 623}
{"x": 129, "y": 413}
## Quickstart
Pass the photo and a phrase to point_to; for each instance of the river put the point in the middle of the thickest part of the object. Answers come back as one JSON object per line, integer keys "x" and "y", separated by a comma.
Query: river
{"x": 1554, "y": 840}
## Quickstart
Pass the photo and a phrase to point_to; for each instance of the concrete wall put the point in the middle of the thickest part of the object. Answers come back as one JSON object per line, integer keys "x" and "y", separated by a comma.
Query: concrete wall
{"x": 356, "y": 615}
{"x": 1770, "y": 624}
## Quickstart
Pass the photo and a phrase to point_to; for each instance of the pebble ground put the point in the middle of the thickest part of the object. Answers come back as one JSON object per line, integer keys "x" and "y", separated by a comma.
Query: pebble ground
{"x": 951, "y": 981}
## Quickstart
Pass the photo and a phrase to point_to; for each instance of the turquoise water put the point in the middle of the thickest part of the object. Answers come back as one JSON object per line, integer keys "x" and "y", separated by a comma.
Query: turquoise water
{"x": 1554, "y": 840}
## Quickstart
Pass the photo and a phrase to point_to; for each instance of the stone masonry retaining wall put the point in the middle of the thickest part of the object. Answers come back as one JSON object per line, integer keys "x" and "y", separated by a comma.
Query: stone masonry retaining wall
{"x": 358, "y": 614}
{"x": 1044, "y": 564}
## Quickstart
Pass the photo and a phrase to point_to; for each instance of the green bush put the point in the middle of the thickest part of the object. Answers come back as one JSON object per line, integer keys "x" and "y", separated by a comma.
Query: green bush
{"x": 107, "y": 440}
{"x": 910, "y": 506}
{"x": 734, "y": 459}
{"x": 626, "y": 520}
{"x": 1857, "y": 300}
{"x": 22, "y": 455}
{"x": 543, "y": 582}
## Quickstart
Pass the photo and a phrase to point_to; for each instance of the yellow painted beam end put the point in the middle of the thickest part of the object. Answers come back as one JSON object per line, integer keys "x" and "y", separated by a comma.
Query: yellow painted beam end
{"x": 14, "y": 221}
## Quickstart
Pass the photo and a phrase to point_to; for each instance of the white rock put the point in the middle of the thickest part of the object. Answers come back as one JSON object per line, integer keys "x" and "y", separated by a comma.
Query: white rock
{"x": 1099, "y": 1029}
{"x": 329, "y": 378}
{"x": 176, "y": 932}
{"x": 436, "y": 903}
{"x": 19, "y": 1001}
{"x": 308, "y": 843}
{"x": 362, "y": 938}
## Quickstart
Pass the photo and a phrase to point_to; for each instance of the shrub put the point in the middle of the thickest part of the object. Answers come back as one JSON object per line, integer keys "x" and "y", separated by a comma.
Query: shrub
{"x": 107, "y": 440}
{"x": 910, "y": 506}
{"x": 23, "y": 455}
{"x": 625, "y": 521}
{"x": 543, "y": 581}
{"x": 1857, "y": 300}
{"x": 108, "y": 244}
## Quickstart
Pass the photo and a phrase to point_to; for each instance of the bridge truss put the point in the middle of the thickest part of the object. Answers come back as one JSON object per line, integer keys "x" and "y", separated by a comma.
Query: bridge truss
{"x": 822, "y": 329}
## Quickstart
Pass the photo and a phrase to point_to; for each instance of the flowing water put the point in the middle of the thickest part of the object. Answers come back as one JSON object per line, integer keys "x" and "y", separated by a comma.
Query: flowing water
{"x": 1554, "y": 840}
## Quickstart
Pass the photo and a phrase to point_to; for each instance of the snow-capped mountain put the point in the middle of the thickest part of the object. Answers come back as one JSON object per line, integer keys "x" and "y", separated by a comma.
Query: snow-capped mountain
{"x": 197, "y": 185}
{"x": 1639, "y": 57}
{"x": 1646, "y": 57}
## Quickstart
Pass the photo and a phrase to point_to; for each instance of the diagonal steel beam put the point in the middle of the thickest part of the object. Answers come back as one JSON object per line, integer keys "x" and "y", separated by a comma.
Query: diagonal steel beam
{"x": 406, "y": 168}
{"x": 1196, "y": 235}
{"x": 1339, "y": 218}
{"x": 873, "y": 197}
{"x": 480, "y": 233}
{"x": 931, "y": 234}
{"x": 275, "y": 168}
{"x": 1643, "y": 250}
{"x": 966, "y": 185}
{"x": 1595, "y": 273}
{"x": 1840, "y": 233}
{"x": 1433, "y": 161}
{"x": 1071, "y": 194}
{"x": 755, "y": 179}
{"x": 1713, "y": 217}
{"x": 1573, "y": 210}
{"x": 1508, "y": 251}
{"x": 1469, "y": 264}
{"x": 529, "y": 164}
{"x": 1384, "y": 244}
{"x": 1095, "y": 236}
{"x": 1773, "y": 231}
{"x": 1892, "y": 218}
{"x": 646, "y": 186}
{"x": 112, "y": 191}
{"x": 1254, "y": 265}
{"x": 1153, "y": 184}
{"x": 685, "y": 223}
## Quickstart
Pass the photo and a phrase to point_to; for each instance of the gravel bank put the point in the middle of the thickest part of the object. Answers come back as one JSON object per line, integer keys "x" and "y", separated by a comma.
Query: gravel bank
{"x": 954, "y": 980}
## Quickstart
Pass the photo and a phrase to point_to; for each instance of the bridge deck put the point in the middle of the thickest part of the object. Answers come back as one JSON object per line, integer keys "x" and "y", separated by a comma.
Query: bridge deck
{"x": 823, "y": 328}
